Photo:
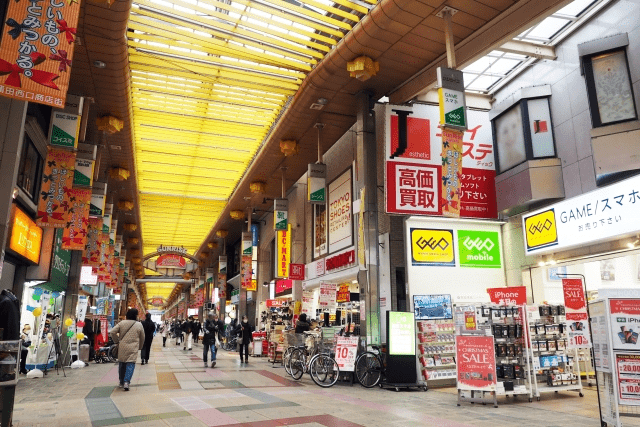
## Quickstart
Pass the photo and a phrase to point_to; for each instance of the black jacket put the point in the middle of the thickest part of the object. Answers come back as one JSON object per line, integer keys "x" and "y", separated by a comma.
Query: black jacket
{"x": 196, "y": 328}
{"x": 149, "y": 328}
{"x": 187, "y": 327}
{"x": 9, "y": 316}
{"x": 244, "y": 332}
{"x": 302, "y": 326}
{"x": 211, "y": 328}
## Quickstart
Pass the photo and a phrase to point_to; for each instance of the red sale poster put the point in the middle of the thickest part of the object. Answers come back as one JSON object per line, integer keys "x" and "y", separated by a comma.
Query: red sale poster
{"x": 574, "y": 294}
{"x": 476, "y": 361}
{"x": 629, "y": 378}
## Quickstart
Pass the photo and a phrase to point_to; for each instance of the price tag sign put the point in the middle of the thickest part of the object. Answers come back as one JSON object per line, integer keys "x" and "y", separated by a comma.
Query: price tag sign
{"x": 629, "y": 378}
{"x": 346, "y": 352}
{"x": 578, "y": 330}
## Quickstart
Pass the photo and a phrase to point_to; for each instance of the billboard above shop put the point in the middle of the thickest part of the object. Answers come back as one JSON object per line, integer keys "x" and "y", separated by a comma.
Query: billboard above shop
{"x": 599, "y": 215}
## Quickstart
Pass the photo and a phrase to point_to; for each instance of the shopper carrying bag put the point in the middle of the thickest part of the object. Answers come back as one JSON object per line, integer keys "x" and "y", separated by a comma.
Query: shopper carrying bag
{"x": 244, "y": 331}
{"x": 129, "y": 338}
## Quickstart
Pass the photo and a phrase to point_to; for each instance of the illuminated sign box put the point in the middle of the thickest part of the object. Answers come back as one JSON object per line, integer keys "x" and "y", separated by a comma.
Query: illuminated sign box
{"x": 26, "y": 236}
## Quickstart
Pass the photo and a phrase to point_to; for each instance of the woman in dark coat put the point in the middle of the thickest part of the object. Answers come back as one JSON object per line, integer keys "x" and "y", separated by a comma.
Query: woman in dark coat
{"x": 149, "y": 329}
{"x": 244, "y": 331}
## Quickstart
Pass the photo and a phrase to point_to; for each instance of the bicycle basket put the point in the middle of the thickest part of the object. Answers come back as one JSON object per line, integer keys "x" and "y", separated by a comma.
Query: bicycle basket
{"x": 291, "y": 339}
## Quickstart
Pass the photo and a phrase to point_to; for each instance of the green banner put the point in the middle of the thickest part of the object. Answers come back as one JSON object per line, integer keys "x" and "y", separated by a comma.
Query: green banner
{"x": 479, "y": 249}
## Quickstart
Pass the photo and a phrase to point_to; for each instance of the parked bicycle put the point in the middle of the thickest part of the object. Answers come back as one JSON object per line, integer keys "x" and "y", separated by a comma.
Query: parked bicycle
{"x": 371, "y": 366}
{"x": 231, "y": 344}
{"x": 317, "y": 361}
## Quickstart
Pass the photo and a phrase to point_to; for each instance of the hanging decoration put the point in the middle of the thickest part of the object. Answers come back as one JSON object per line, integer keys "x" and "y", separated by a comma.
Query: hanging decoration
{"x": 363, "y": 68}
{"x": 125, "y": 205}
{"x": 237, "y": 214}
{"x": 119, "y": 174}
{"x": 289, "y": 147}
{"x": 221, "y": 234}
{"x": 109, "y": 124}
{"x": 258, "y": 187}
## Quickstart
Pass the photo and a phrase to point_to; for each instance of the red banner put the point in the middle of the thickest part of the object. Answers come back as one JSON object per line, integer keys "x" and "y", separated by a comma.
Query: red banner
{"x": 476, "y": 361}
{"x": 275, "y": 303}
{"x": 283, "y": 285}
{"x": 516, "y": 295}
{"x": 57, "y": 182}
{"x": 343, "y": 294}
{"x": 37, "y": 50}
{"x": 246, "y": 271}
{"x": 574, "y": 298}
{"x": 625, "y": 306}
{"x": 74, "y": 235}
{"x": 171, "y": 261}
{"x": 296, "y": 271}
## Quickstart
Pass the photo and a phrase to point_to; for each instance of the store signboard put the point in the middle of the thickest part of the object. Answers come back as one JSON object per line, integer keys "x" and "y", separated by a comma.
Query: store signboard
{"x": 451, "y": 99}
{"x": 283, "y": 252}
{"x": 26, "y": 236}
{"x": 64, "y": 130}
{"x": 235, "y": 296}
{"x": 628, "y": 378}
{"x": 476, "y": 363}
{"x": 222, "y": 264}
{"x": 346, "y": 352}
{"x": 296, "y": 271}
{"x": 340, "y": 261}
{"x": 625, "y": 323}
{"x": 340, "y": 213}
{"x": 275, "y": 303}
{"x": 513, "y": 295}
{"x": 413, "y": 180}
{"x": 97, "y": 205}
{"x": 316, "y": 183}
{"x": 83, "y": 173}
{"x": 432, "y": 247}
{"x": 599, "y": 215}
{"x": 247, "y": 243}
{"x": 402, "y": 334}
{"x": 283, "y": 285}
{"x": 60, "y": 262}
{"x": 171, "y": 261}
{"x": 280, "y": 214}
{"x": 479, "y": 249}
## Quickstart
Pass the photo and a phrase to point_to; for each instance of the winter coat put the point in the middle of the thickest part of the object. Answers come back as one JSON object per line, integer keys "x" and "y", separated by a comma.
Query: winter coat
{"x": 196, "y": 328}
{"x": 244, "y": 332}
{"x": 177, "y": 329}
{"x": 163, "y": 329}
{"x": 211, "y": 328}
{"x": 302, "y": 326}
{"x": 133, "y": 339}
{"x": 187, "y": 327}
{"x": 149, "y": 328}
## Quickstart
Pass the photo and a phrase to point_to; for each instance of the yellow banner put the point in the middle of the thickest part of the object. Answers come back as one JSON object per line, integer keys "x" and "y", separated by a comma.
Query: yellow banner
{"x": 283, "y": 252}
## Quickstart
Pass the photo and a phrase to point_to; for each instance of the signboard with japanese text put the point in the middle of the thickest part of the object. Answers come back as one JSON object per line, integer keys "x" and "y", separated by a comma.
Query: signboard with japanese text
{"x": 628, "y": 378}
{"x": 171, "y": 261}
{"x": 343, "y": 294}
{"x": 432, "y": 247}
{"x": 316, "y": 184}
{"x": 327, "y": 299}
{"x": 402, "y": 334}
{"x": 414, "y": 164}
{"x": 91, "y": 254}
{"x": 76, "y": 228}
{"x": 283, "y": 285}
{"x": 346, "y": 352}
{"x": 574, "y": 298}
{"x": 513, "y": 295}
{"x": 26, "y": 237}
{"x": 64, "y": 130}
{"x": 451, "y": 172}
{"x": 280, "y": 214}
{"x": 283, "y": 252}
{"x": 451, "y": 99}
{"x": 296, "y": 271}
{"x": 476, "y": 363}
{"x": 624, "y": 321}
{"x": 479, "y": 249}
{"x": 577, "y": 318}
{"x": 83, "y": 173}
{"x": 97, "y": 205}
{"x": 36, "y": 51}
{"x": 599, "y": 215}
{"x": 57, "y": 181}
{"x": 340, "y": 213}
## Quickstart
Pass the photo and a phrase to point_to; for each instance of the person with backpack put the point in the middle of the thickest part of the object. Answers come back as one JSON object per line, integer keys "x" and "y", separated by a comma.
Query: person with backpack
{"x": 129, "y": 337}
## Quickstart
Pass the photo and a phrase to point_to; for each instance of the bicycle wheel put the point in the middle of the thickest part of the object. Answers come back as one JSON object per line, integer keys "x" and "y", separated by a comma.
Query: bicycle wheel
{"x": 285, "y": 359}
{"x": 324, "y": 370}
{"x": 296, "y": 364}
{"x": 368, "y": 369}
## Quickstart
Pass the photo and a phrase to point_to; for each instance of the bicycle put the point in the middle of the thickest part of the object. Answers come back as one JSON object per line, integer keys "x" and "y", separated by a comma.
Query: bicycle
{"x": 231, "y": 344}
{"x": 370, "y": 367}
{"x": 322, "y": 368}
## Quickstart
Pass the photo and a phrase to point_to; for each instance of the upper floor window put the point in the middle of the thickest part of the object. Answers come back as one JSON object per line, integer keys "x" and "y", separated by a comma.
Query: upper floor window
{"x": 30, "y": 169}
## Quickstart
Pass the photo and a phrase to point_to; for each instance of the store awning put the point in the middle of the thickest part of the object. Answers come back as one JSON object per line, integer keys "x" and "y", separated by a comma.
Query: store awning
{"x": 343, "y": 276}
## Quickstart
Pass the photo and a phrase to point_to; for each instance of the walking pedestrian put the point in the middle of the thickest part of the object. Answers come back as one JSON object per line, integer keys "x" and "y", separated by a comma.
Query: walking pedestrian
{"x": 149, "y": 330}
{"x": 163, "y": 331}
{"x": 177, "y": 328}
{"x": 244, "y": 332}
{"x": 212, "y": 328}
{"x": 196, "y": 330}
{"x": 129, "y": 335}
{"x": 187, "y": 327}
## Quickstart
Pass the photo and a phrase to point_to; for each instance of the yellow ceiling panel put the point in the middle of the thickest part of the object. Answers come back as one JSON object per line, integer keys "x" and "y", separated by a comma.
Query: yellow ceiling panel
{"x": 208, "y": 80}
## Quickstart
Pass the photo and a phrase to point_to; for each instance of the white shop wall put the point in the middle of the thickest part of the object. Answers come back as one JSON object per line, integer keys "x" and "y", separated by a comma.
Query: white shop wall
{"x": 465, "y": 284}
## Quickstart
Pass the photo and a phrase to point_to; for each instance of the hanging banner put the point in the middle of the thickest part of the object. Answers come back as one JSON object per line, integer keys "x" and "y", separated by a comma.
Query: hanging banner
{"x": 222, "y": 264}
{"x": 57, "y": 180}
{"x": 316, "y": 183}
{"x": 76, "y": 228}
{"x": 106, "y": 223}
{"x": 64, "y": 130}
{"x": 97, "y": 205}
{"x": 452, "y": 103}
{"x": 60, "y": 262}
{"x": 83, "y": 173}
{"x": 476, "y": 363}
{"x": 340, "y": 213}
{"x": 247, "y": 243}
{"x": 574, "y": 298}
{"x": 451, "y": 172}
{"x": 283, "y": 252}
{"x": 245, "y": 271}
{"x": 36, "y": 51}
{"x": 91, "y": 254}
{"x": 362, "y": 250}
{"x": 515, "y": 295}
{"x": 280, "y": 214}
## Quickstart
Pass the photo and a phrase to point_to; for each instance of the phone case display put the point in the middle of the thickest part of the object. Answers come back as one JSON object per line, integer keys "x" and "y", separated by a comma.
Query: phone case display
{"x": 554, "y": 365}
{"x": 507, "y": 325}
{"x": 436, "y": 351}
{"x": 9, "y": 362}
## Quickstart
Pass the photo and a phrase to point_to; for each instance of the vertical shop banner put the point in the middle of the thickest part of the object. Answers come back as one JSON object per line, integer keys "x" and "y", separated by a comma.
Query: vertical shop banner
{"x": 577, "y": 319}
{"x": 83, "y": 174}
{"x": 476, "y": 363}
{"x": 320, "y": 246}
{"x": 327, "y": 299}
{"x": 625, "y": 323}
{"x": 629, "y": 378}
{"x": 57, "y": 181}
{"x": 451, "y": 172}
{"x": 222, "y": 264}
{"x": 362, "y": 249}
{"x": 91, "y": 254}
{"x": 64, "y": 130}
{"x": 283, "y": 252}
{"x": 316, "y": 183}
{"x": 346, "y": 351}
{"x": 280, "y": 214}
{"x": 414, "y": 166}
{"x": 106, "y": 223}
{"x": 451, "y": 100}
{"x": 60, "y": 262}
{"x": 76, "y": 228}
{"x": 36, "y": 51}
{"x": 81, "y": 308}
{"x": 245, "y": 271}
{"x": 247, "y": 246}
{"x": 97, "y": 205}
{"x": 340, "y": 215}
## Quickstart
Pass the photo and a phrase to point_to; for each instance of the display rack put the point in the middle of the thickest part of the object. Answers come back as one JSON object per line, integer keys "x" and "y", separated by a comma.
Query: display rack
{"x": 9, "y": 362}
{"x": 436, "y": 345}
{"x": 555, "y": 368}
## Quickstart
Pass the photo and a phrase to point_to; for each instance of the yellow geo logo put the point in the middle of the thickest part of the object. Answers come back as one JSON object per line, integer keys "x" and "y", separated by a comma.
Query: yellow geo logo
{"x": 540, "y": 230}
{"x": 432, "y": 247}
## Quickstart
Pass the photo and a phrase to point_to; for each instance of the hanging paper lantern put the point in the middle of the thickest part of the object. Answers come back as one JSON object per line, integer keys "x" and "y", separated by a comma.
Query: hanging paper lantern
{"x": 203, "y": 255}
{"x": 221, "y": 234}
{"x": 133, "y": 241}
{"x": 130, "y": 227}
{"x": 363, "y": 68}
{"x": 119, "y": 174}
{"x": 212, "y": 245}
{"x": 127, "y": 205}
{"x": 80, "y": 336}
{"x": 289, "y": 147}
{"x": 68, "y": 322}
{"x": 109, "y": 124}
{"x": 258, "y": 187}
{"x": 69, "y": 334}
{"x": 237, "y": 214}
{"x": 37, "y": 311}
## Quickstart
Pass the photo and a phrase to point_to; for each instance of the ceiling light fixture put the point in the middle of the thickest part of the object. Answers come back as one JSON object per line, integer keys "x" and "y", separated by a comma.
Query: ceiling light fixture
{"x": 99, "y": 64}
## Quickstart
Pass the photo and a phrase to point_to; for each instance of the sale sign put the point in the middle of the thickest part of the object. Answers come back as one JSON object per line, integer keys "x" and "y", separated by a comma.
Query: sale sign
{"x": 574, "y": 298}
{"x": 625, "y": 321}
{"x": 629, "y": 378}
{"x": 578, "y": 330}
{"x": 476, "y": 362}
{"x": 346, "y": 351}
{"x": 516, "y": 295}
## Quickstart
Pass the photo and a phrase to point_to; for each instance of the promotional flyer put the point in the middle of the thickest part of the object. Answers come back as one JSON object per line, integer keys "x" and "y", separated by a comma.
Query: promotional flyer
{"x": 625, "y": 323}
{"x": 476, "y": 363}
{"x": 629, "y": 378}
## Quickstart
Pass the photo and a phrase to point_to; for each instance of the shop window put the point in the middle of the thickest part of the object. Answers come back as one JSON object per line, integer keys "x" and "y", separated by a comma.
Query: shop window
{"x": 30, "y": 169}
{"x": 609, "y": 89}
{"x": 523, "y": 132}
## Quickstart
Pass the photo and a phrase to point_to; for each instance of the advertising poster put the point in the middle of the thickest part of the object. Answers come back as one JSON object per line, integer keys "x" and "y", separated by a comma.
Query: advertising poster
{"x": 343, "y": 294}
{"x": 427, "y": 307}
{"x": 36, "y": 51}
{"x": 625, "y": 323}
{"x": 346, "y": 351}
{"x": 414, "y": 164}
{"x": 451, "y": 172}
{"x": 340, "y": 215}
{"x": 629, "y": 378}
{"x": 432, "y": 247}
{"x": 320, "y": 246}
{"x": 577, "y": 319}
{"x": 75, "y": 230}
{"x": 402, "y": 334}
{"x": 513, "y": 295}
{"x": 327, "y": 299}
{"x": 476, "y": 363}
{"x": 479, "y": 249}
{"x": 57, "y": 181}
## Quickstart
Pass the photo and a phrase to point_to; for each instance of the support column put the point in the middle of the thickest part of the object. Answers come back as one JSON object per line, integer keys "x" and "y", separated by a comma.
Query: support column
{"x": 71, "y": 301}
{"x": 368, "y": 176}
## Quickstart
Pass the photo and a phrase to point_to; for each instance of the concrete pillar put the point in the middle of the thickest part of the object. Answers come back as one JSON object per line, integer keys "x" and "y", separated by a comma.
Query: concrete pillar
{"x": 11, "y": 136}
{"x": 366, "y": 163}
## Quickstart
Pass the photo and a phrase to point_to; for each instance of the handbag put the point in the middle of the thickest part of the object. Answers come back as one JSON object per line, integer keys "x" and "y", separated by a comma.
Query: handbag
{"x": 114, "y": 348}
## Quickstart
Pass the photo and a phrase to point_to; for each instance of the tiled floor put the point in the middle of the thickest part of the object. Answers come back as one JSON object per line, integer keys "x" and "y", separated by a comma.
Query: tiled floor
{"x": 176, "y": 390}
